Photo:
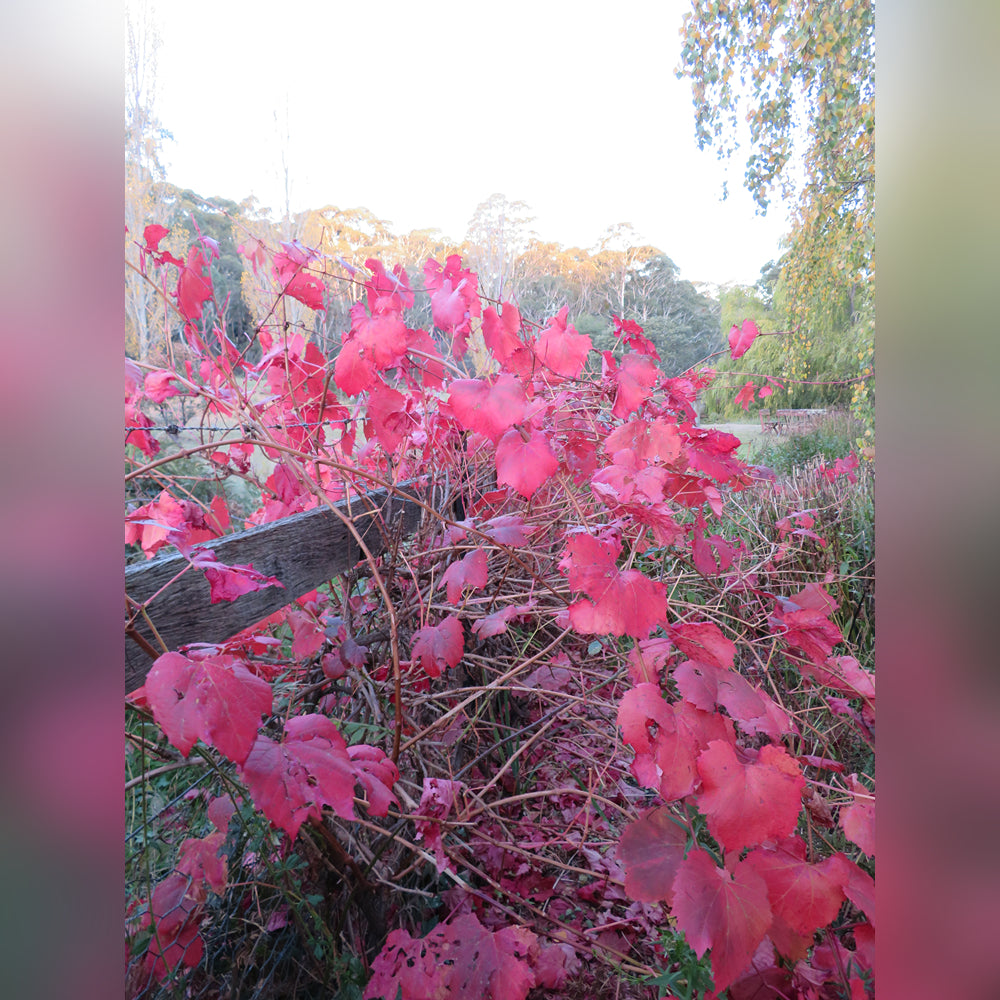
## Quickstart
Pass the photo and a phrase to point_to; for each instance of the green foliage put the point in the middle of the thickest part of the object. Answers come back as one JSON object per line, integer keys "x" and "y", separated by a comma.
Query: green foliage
{"x": 688, "y": 977}
{"x": 831, "y": 438}
{"x": 214, "y": 218}
{"x": 801, "y": 72}
{"x": 814, "y": 371}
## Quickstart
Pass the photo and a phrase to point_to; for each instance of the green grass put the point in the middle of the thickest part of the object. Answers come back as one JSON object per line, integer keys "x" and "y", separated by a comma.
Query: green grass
{"x": 832, "y": 437}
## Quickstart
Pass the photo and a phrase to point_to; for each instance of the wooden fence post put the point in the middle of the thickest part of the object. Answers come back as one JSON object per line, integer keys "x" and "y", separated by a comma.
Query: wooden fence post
{"x": 302, "y": 551}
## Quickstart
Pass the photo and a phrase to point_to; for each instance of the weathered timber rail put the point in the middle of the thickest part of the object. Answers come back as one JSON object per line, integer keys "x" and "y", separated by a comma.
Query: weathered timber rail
{"x": 302, "y": 551}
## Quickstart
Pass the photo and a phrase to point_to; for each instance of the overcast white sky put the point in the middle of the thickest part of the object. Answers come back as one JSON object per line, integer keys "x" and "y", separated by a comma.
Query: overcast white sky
{"x": 419, "y": 112}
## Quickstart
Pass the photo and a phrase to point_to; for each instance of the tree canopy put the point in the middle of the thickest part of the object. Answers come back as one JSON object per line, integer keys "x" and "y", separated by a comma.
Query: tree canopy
{"x": 801, "y": 75}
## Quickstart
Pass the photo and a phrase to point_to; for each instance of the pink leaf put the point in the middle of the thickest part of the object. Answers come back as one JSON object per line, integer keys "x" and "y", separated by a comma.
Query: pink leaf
{"x": 704, "y": 642}
{"x": 215, "y": 699}
{"x": 307, "y": 289}
{"x": 727, "y": 912}
{"x": 631, "y": 605}
{"x": 634, "y": 380}
{"x": 665, "y": 748}
{"x": 439, "y": 647}
{"x": 745, "y": 396}
{"x": 497, "y": 622}
{"x": 652, "y": 848}
{"x": 500, "y": 332}
{"x": 806, "y": 896}
{"x": 388, "y": 416}
{"x": 152, "y": 235}
{"x": 488, "y": 409}
{"x": 458, "y": 959}
{"x": 226, "y": 583}
{"x": 435, "y": 803}
{"x": 194, "y": 286}
{"x": 706, "y": 685}
{"x": 858, "y": 819}
{"x": 561, "y": 349}
{"x": 844, "y": 674}
{"x": 741, "y": 337}
{"x": 291, "y": 781}
{"x": 469, "y": 571}
{"x": 624, "y": 603}
{"x": 174, "y": 913}
{"x": 157, "y": 386}
{"x": 525, "y": 464}
{"x": 746, "y": 804}
{"x": 652, "y": 440}
{"x": 199, "y": 858}
{"x": 633, "y": 335}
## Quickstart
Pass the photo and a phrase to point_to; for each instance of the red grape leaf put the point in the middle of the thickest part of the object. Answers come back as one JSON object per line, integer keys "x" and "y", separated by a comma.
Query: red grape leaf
{"x": 352, "y": 371}
{"x": 307, "y": 634}
{"x": 727, "y": 912}
{"x": 842, "y": 673}
{"x": 706, "y": 686}
{"x": 589, "y": 563}
{"x": 423, "y": 355}
{"x": 693, "y": 492}
{"x": 713, "y": 453}
{"x": 152, "y": 235}
{"x": 806, "y": 896}
{"x": 377, "y": 773}
{"x": 624, "y": 603}
{"x": 858, "y": 819}
{"x": 633, "y": 380}
{"x": 439, "y": 647}
{"x": 175, "y": 915}
{"x": 651, "y": 849}
{"x": 220, "y": 812}
{"x": 525, "y": 465}
{"x": 647, "y": 658}
{"x": 137, "y": 426}
{"x": 506, "y": 529}
{"x": 500, "y": 332}
{"x": 157, "y": 386}
{"x": 665, "y": 747}
{"x": 395, "y": 286}
{"x": 459, "y": 960}
{"x": 704, "y": 642}
{"x": 497, "y": 622}
{"x": 806, "y": 629}
{"x": 435, "y": 803}
{"x": 307, "y": 288}
{"x": 155, "y": 524}
{"x": 214, "y": 699}
{"x": 859, "y": 887}
{"x": 560, "y": 348}
{"x": 388, "y": 417}
{"x": 633, "y": 335}
{"x": 226, "y": 583}
{"x": 380, "y": 334}
{"x": 652, "y": 440}
{"x": 454, "y": 298}
{"x": 555, "y": 964}
{"x": 199, "y": 858}
{"x": 194, "y": 285}
{"x": 631, "y": 605}
{"x": 746, "y": 804}
{"x": 487, "y": 409}
{"x": 291, "y": 781}
{"x": 812, "y": 595}
{"x": 741, "y": 337}
{"x": 745, "y": 396}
